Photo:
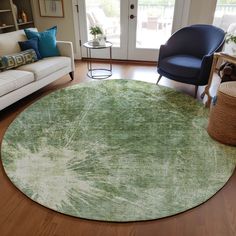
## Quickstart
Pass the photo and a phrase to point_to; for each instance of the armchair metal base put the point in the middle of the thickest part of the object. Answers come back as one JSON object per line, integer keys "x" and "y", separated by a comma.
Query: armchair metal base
{"x": 195, "y": 93}
{"x": 196, "y": 86}
{"x": 158, "y": 79}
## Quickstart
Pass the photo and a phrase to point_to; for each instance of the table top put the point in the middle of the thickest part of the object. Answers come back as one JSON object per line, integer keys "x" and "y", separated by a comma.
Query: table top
{"x": 228, "y": 57}
{"x": 89, "y": 45}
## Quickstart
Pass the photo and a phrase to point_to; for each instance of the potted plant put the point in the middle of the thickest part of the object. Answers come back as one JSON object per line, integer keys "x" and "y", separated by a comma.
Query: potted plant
{"x": 95, "y": 31}
{"x": 231, "y": 39}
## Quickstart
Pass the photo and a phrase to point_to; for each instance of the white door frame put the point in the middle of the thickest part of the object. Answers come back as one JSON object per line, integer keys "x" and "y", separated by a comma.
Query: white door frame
{"x": 147, "y": 54}
{"x": 77, "y": 48}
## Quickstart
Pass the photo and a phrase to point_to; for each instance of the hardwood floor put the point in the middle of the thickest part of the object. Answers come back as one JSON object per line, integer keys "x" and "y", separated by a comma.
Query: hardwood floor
{"x": 21, "y": 216}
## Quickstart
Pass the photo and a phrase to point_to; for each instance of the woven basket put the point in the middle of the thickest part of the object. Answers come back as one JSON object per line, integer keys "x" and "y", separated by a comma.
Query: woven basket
{"x": 222, "y": 121}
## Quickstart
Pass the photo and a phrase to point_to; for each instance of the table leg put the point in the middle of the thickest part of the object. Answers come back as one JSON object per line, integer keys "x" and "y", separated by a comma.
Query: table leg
{"x": 90, "y": 69}
{"x": 111, "y": 59}
{"x": 207, "y": 92}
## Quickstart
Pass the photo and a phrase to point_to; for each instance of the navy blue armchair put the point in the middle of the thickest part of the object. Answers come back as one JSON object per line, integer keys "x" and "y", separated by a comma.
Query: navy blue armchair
{"x": 187, "y": 55}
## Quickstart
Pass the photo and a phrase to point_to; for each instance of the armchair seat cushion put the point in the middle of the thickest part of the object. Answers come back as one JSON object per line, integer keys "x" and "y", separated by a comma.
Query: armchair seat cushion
{"x": 184, "y": 66}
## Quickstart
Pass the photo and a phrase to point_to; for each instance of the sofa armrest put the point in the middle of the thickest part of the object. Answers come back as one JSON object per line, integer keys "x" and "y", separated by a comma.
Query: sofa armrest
{"x": 66, "y": 49}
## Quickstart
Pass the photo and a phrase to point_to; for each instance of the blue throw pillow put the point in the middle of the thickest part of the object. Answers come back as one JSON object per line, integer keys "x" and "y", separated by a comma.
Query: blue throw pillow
{"x": 31, "y": 44}
{"x": 47, "y": 41}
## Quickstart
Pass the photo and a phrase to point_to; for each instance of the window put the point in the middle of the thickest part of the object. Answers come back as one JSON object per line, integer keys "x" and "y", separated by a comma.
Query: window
{"x": 225, "y": 13}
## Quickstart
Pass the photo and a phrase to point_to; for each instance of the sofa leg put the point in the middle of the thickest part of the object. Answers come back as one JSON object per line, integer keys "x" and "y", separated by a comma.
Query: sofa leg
{"x": 195, "y": 93}
{"x": 159, "y": 79}
{"x": 72, "y": 75}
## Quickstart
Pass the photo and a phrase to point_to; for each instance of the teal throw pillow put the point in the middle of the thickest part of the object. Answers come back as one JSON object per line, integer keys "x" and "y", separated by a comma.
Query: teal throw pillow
{"x": 18, "y": 59}
{"x": 47, "y": 41}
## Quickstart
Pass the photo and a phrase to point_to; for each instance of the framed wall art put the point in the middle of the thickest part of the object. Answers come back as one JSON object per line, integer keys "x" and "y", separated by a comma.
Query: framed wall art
{"x": 51, "y": 8}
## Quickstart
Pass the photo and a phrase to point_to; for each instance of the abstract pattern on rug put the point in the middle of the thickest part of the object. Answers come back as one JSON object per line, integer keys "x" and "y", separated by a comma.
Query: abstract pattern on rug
{"x": 116, "y": 150}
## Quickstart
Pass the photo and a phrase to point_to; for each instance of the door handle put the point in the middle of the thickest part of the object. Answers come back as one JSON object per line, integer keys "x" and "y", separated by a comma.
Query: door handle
{"x": 77, "y": 7}
{"x": 132, "y": 17}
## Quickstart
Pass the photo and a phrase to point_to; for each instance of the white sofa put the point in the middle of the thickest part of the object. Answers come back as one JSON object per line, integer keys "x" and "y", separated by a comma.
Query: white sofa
{"x": 17, "y": 83}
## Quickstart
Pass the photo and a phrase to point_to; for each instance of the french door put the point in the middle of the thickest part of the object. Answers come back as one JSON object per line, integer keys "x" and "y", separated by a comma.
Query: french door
{"x": 136, "y": 28}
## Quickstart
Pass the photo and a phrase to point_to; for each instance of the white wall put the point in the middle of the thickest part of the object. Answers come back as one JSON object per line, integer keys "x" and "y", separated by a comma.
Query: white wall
{"x": 189, "y": 12}
{"x": 202, "y": 11}
{"x": 65, "y": 25}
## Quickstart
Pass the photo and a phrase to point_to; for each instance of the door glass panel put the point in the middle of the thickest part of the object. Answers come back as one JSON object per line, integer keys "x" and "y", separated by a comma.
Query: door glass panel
{"x": 106, "y": 14}
{"x": 154, "y": 22}
{"x": 225, "y": 13}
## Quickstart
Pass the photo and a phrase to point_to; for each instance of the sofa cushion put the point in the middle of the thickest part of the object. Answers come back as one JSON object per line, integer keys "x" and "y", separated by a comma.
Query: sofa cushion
{"x": 18, "y": 59}
{"x": 47, "y": 41}
{"x": 8, "y": 42}
{"x": 13, "y": 79}
{"x": 46, "y": 66}
{"x": 31, "y": 44}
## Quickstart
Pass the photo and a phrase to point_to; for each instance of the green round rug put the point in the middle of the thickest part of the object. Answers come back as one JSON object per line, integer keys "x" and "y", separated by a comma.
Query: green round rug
{"x": 116, "y": 150}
